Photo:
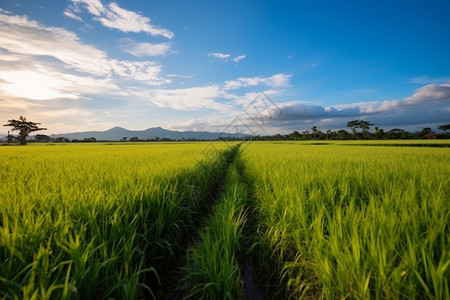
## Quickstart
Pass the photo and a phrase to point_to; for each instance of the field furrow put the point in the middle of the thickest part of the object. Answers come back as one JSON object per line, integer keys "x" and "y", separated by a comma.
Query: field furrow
{"x": 213, "y": 269}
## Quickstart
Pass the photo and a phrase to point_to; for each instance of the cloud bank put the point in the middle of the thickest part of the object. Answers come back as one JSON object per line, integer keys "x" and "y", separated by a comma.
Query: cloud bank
{"x": 429, "y": 104}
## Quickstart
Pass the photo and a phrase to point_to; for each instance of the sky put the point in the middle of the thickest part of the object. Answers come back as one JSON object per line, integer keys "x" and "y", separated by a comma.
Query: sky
{"x": 259, "y": 67}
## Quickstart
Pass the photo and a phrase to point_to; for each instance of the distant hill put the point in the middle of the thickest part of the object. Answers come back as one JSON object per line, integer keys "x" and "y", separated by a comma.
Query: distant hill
{"x": 118, "y": 133}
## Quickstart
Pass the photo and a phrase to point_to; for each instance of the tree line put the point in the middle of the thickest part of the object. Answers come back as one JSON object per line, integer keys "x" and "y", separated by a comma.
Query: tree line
{"x": 360, "y": 130}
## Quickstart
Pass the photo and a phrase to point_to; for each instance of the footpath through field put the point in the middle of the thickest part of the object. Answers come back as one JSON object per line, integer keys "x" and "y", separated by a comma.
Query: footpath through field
{"x": 217, "y": 264}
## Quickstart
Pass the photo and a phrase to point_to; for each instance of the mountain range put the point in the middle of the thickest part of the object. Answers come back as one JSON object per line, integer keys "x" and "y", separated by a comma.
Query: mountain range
{"x": 118, "y": 133}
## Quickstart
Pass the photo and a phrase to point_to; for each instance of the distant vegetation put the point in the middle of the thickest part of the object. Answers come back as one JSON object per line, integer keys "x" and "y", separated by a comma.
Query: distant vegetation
{"x": 359, "y": 130}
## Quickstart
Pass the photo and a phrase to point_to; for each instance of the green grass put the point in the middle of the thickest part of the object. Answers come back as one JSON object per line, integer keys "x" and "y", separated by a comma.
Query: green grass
{"x": 360, "y": 222}
{"x": 327, "y": 220}
{"x": 98, "y": 221}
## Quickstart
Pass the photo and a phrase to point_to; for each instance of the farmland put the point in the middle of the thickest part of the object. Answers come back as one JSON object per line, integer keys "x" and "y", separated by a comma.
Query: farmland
{"x": 133, "y": 221}
{"x": 362, "y": 222}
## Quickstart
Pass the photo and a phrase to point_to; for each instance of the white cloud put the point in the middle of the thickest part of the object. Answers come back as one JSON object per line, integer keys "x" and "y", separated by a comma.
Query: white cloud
{"x": 427, "y": 105}
{"x": 277, "y": 80}
{"x": 146, "y": 49}
{"x": 7, "y": 56}
{"x": 219, "y": 55}
{"x": 113, "y": 16}
{"x": 312, "y": 65}
{"x": 247, "y": 98}
{"x": 71, "y": 15}
{"x": 200, "y": 124}
{"x": 226, "y": 57}
{"x": 184, "y": 99}
{"x": 430, "y": 92}
{"x": 239, "y": 58}
{"x": 180, "y": 76}
{"x": 145, "y": 71}
{"x": 22, "y": 36}
{"x": 51, "y": 62}
{"x": 95, "y": 7}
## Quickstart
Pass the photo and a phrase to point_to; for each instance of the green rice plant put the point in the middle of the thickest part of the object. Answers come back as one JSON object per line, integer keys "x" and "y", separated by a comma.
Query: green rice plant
{"x": 98, "y": 221}
{"x": 359, "y": 222}
{"x": 212, "y": 270}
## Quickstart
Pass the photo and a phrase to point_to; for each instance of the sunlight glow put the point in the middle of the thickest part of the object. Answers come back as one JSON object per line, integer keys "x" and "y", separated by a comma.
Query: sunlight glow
{"x": 33, "y": 85}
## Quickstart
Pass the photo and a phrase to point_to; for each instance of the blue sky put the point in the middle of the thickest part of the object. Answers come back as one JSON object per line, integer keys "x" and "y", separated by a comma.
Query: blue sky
{"x": 200, "y": 65}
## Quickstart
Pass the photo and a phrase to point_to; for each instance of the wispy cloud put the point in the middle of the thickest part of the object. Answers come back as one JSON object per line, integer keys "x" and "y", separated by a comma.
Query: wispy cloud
{"x": 311, "y": 65}
{"x": 428, "y": 80}
{"x": 193, "y": 98}
{"x": 113, "y": 16}
{"x": 20, "y": 35}
{"x": 219, "y": 55}
{"x": 277, "y": 80}
{"x": 180, "y": 76}
{"x": 239, "y": 58}
{"x": 244, "y": 100}
{"x": 146, "y": 49}
{"x": 95, "y": 7}
{"x": 147, "y": 72}
{"x": 70, "y": 14}
{"x": 226, "y": 57}
{"x": 51, "y": 62}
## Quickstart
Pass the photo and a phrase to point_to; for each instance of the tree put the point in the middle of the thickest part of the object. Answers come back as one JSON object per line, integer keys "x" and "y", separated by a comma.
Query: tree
{"x": 24, "y": 127}
{"x": 330, "y": 134}
{"x": 42, "y": 138}
{"x": 363, "y": 125}
{"x": 444, "y": 127}
{"x": 343, "y": 135}
{"x": 397, "y": 133}
{"x": 426, "y": 130}
{"x": 61, "y": 140}
{"x": 353, "y": 125}
{"x": 295, "y": 135}
{"x": 379, "y": 133}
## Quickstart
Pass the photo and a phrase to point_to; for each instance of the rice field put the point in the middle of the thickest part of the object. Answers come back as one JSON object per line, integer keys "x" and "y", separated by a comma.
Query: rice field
{"x": 184, "y": 220}
{"x": 106, "y": 221}
{"x": 358, "y": 222}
